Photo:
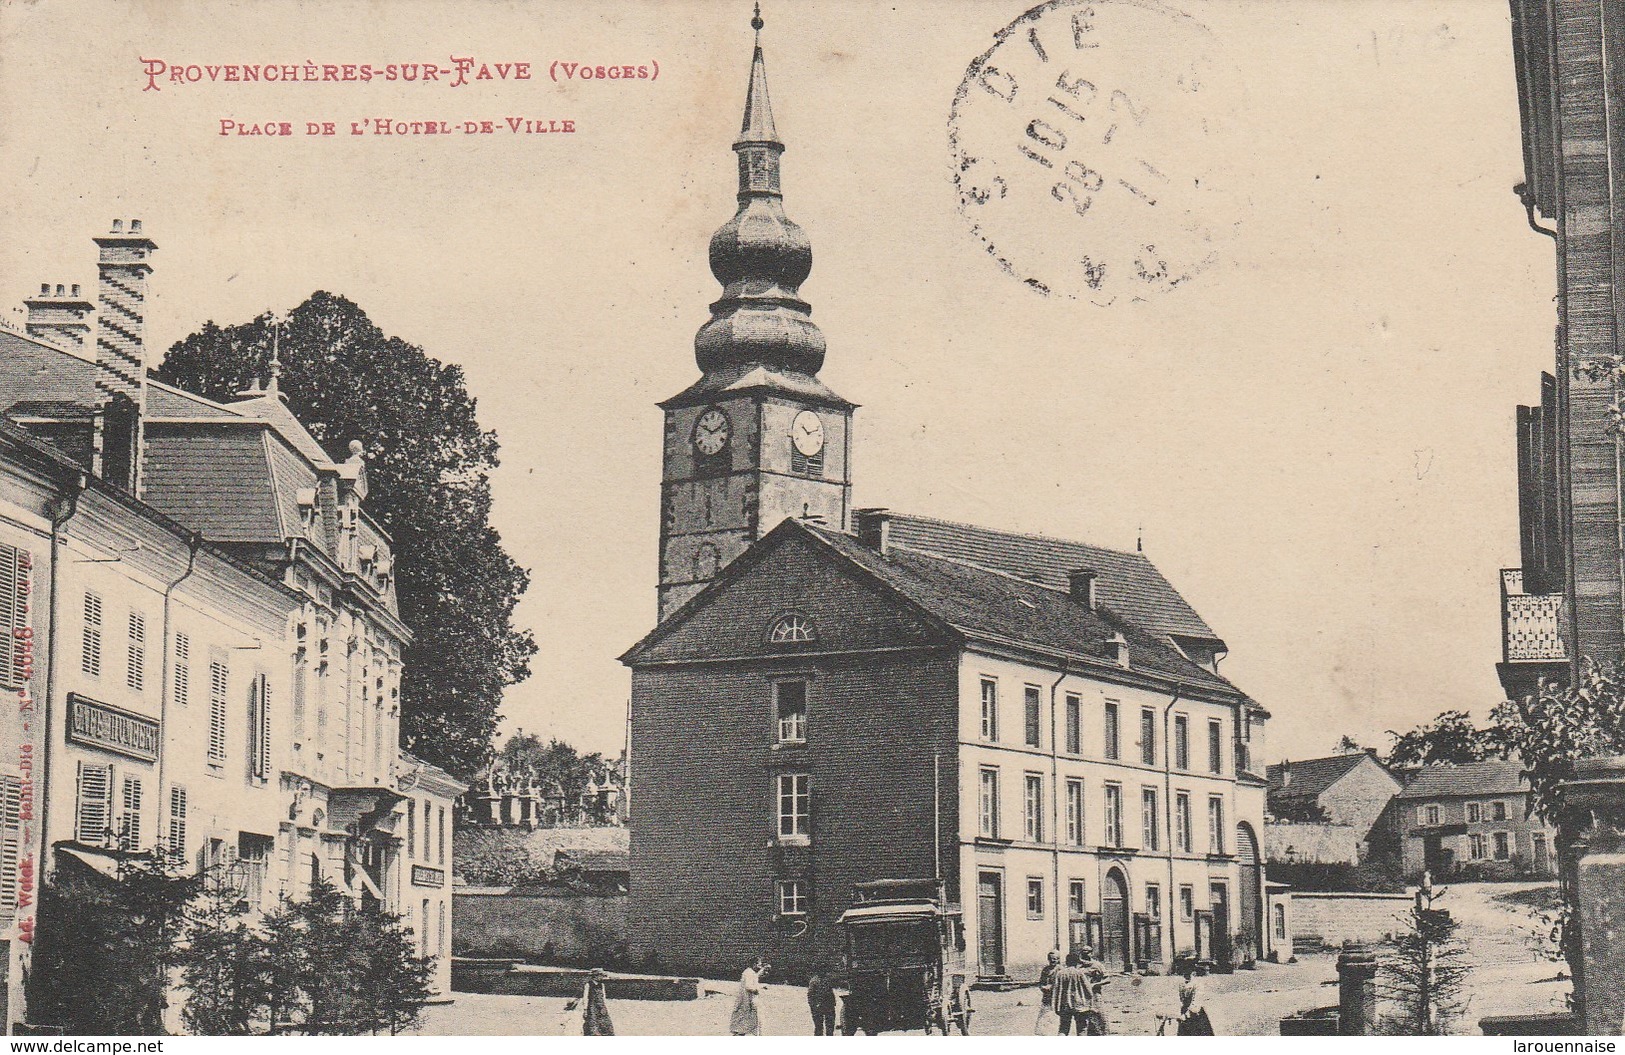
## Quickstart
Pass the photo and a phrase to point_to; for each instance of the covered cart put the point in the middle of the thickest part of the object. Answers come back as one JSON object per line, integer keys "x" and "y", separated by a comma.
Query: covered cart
{"x": 905, "y": 959}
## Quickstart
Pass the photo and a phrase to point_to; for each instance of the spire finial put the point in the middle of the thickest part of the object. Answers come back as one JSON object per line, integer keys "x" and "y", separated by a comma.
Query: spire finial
{"x": 756, "y": 19}
{"x": 274, "y": 371}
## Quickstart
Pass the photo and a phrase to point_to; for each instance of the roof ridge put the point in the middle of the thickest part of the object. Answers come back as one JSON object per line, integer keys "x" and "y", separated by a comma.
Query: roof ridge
{"x": 1023, "y": 534}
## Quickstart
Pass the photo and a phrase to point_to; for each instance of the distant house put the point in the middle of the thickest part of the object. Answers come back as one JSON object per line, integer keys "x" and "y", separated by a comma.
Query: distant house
{"x": 1344, "y": 796}
{"x": 1474, "y": 817}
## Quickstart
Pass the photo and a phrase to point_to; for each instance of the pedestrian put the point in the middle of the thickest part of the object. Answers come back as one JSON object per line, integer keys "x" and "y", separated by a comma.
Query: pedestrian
{"x": 595, "y": 1022}
{"x": 821, "y": 1000}
{"x": 745, "y": 1021}
{"x": 1074, "y": 994}
{"x": 1045, "y": 1023}
{"x": 1192, "y": 1018}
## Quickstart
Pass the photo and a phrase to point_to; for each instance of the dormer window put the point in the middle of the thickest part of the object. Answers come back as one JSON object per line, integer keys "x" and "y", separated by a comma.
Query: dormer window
{"x": 792, "y": 630}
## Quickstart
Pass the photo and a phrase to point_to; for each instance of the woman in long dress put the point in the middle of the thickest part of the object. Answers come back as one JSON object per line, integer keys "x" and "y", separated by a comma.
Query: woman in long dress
{"x": 745, "y": 1022}
{"x": 1192, "y": 1019}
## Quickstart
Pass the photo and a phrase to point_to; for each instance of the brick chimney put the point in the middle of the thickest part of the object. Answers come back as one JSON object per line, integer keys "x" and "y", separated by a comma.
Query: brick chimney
{"x": 121, "y": 358}
{"x": 1081, "y": 587}
{"x": 59, "y": 317}
{"x": 873, "y": 528}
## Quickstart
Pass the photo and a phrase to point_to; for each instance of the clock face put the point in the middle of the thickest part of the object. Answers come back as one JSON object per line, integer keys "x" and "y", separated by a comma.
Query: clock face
{"x": 711, "y": 432}
{"x": 807, "y": 433}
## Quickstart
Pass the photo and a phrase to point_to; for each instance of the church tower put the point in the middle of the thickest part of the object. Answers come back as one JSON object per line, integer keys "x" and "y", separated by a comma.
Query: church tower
{"x": 758, "y": 437}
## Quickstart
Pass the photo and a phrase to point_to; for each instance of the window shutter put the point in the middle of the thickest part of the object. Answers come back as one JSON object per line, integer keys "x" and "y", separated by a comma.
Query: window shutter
{"x": 218, "y": 680}
{"x": 94, "y": 818}
{"x": 183, "y": 669}
{"x": 177, "y": 822}
{"x": 262, "y": 757}
{"x": 135, "y": 675}
{"x": 129, "y": 828}
{"x": 90, "y": 657}
{"x": 11, "y": 831}
{"x": 13, "y": 614}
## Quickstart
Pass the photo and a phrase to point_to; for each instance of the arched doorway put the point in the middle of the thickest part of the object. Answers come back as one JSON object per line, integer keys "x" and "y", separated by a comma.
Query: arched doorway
{"x": 1114, "y": 921}
{"x": 1250, "y": 893}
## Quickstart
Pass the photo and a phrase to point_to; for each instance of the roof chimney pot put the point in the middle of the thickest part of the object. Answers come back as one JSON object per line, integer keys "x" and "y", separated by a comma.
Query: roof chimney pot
{"x": 874, "y": 529}
{"x": 44, "y": 289}
{"x": 1082, "y": 587}
{"x": 118, "y": 226}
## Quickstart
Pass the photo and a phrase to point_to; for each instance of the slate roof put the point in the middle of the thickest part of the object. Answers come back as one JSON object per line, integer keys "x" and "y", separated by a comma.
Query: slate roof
{"x": 1128, "y": 583}
{"x": 1311, "y": 776}
{"x": 1493, "y": 777}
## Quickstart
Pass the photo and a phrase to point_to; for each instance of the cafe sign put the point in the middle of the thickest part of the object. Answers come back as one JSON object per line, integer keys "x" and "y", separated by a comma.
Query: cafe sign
{"x": 111, "y": 729}
{"x": 423, "y": 875}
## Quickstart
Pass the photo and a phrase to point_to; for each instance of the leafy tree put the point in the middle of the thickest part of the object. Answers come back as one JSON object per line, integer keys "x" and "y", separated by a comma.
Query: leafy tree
{"x": 1303, "y": 809}
{"x": 1423, "y": 976}
{"x": 554, "y": 763}
{"x": 428, "y": 464}
{"x": 393, "y": 981}
{"x": 226, "y": 964}
{"x": 105, "y": 948}
{"x": 1549, "y": 731}
{"x": 1450, "y": 739}
{"x": 1347, "y": 745}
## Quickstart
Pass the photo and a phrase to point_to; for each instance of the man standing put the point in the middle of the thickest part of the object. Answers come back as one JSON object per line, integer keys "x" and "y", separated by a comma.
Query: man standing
{"x": 1074, "y": 995}
{"x": 821, "y": 1000}
{"x": 1046, "y": 995}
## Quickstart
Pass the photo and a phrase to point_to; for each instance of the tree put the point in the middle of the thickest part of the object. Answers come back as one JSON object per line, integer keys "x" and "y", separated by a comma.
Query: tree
{"x": 226, "y": 965}
{"x": 1450, "y": 739}
{"x": 106, "y": 946}
{"x": 428, "y": 466}
{"x": 1424, "y": 973}
{"x": 1347, "y": 745}
{"x": 556, "y": 763}
{"x": 1549, "y": 731}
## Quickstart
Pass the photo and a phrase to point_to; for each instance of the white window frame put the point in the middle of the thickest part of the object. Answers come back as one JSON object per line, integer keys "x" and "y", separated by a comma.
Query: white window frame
{"x": 1150, "y": 822}
{"x": 990, "y": 710}
{"x": 1183, "y": 840}
{"x": 1076, "y": 805}
{"x": 987, "y": 812}
{"x": 1032, "y": 803}
{"x": 1035, "y": 894}
{"x": 790, "y": 729}
{"x": 790, "y": 898}
{"x": 793, "y": 805}
{"x": 1113, "y": 799}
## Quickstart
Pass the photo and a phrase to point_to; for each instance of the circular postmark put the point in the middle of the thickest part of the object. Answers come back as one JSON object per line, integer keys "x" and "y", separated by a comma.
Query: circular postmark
{"x": 1083, "y": 149}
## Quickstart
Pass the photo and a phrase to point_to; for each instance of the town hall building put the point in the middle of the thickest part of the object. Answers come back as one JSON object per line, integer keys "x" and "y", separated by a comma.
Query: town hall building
{"x": 836, "y": 695}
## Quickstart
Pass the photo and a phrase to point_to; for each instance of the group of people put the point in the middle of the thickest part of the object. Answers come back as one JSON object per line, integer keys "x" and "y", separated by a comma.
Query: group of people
{"x": 1069, "y": 992}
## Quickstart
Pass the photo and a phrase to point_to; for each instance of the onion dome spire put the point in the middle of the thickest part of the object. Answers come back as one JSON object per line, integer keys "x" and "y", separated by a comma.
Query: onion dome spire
{"x": 760, "y": 257}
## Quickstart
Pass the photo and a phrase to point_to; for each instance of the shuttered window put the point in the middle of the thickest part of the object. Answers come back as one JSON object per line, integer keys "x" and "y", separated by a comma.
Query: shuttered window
{"x": 129, "y": 823}
{"x": 94, "y": 818}
{"x": 135, "y": 674}
{"x": 11, "y": 841}
{"x": 259, "y": 727}
{"x": 177, "y": 822}
{"x": 14, "y": 605}
{"x": 183, "y": 669}
{"x": 90, "y": 650}
{"x": 219, "y": 678}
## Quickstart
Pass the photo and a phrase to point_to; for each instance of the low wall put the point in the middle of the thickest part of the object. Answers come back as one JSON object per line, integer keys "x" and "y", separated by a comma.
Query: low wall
{"x": 506, "y": 978}
{"x": 1336, "y": 918}
{"x": 1300, "y": 842}
{"x": 538, "y": 926}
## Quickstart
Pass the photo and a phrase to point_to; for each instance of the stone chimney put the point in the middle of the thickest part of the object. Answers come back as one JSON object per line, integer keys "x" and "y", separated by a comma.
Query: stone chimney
{"x": 121, "y": 356}
{"x": 59, "y": 317}
{"x": 1082, "y": 587}
{"x": 873, "y": 527}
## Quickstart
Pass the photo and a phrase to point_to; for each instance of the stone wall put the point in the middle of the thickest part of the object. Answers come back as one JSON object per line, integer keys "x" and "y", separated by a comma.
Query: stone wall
{"x": 1336, "y": 918}
{"x": 539, "y": 926}
{"x": 1299, "y": 842}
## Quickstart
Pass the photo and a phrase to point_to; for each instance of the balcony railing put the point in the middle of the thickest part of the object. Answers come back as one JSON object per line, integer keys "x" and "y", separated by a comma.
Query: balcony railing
{"x": 1530, "y": 623}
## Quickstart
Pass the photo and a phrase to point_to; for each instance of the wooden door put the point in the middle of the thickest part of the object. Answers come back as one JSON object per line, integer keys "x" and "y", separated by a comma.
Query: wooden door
{"x": 1219, "y": 905}
{"x": 1250, "y": 896}
{"x": 990, "y": 922}
{"x": 1114, "y": 939}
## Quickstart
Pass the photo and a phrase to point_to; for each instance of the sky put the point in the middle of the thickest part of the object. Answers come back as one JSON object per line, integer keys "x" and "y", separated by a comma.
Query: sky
{"x": 1313, "y": 434}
